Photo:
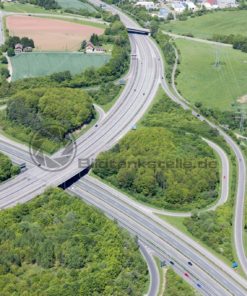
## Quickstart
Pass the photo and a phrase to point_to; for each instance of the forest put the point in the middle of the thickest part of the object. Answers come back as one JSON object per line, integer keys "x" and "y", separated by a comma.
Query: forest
{"x": 164, "y": 163}
{"x": 58, "y": 245}
{"x": 7, "y": 169}
{"x": 40, "y": 109}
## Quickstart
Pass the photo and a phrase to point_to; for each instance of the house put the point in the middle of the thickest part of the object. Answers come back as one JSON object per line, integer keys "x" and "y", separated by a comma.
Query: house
{"x": 147, "y": 4}
{"x": 27, "y": 49}
{"x": 190, "y": 5}
{"x": 163, "y": 13}
{"x": 99, "y": 50}
{"x": 178, "y": 7}
{"x": 18, "y": 48}
{"x": 226, "y": 3}
{"x": 210, "y": 4}
{"x": 89, "y": 47}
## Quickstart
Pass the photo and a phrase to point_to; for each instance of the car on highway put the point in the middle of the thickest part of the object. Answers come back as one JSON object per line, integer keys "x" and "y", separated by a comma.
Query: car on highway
{"x": 172, "y": 263}
{"x": 186, "y": 274}
{"x": 190, "y": 263}
{"x": 198, "y": 285}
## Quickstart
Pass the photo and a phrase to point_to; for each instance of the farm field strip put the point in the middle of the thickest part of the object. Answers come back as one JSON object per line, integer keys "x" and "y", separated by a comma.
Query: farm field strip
{"x": 50, "y": 34}
{"x": 45, "y": 63}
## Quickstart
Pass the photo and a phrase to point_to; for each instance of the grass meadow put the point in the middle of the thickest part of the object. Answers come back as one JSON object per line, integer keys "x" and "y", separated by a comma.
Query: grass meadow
{"x": 201, "y": 81}
{"x": 220, "y": 22}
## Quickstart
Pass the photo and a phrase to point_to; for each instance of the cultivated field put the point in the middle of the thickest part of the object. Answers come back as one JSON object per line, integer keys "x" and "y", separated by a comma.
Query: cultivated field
{"x": 76, "y": 4}
{"x": 50, "y": 34}
{"x": 221, "y": 22}
{"x": 39, "y": 64}
{"x": 201, "y": 81}
{"x": 22, "y": 8}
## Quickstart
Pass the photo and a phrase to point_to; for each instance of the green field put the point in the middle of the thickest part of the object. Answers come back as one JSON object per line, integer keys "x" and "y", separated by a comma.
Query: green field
{"x": 76, "y": 4}
{"x": 22, "y": 8}
{"x": 221, "y": 22}
{"x": 40, "y": 64}
{"x": 201, "y": 81}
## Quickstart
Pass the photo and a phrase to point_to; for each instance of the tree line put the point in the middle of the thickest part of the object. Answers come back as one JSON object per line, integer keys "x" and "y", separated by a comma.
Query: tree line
{"x": 47, "y": 4}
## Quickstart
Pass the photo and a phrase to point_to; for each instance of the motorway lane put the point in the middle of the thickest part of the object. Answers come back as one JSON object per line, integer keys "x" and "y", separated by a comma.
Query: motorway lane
{"x": 211, "y": 265}
{"x": 149, "y": 231}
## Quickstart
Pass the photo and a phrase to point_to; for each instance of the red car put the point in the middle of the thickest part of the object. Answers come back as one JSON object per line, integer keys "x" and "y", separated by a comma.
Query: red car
{"x": 186, "y": 274}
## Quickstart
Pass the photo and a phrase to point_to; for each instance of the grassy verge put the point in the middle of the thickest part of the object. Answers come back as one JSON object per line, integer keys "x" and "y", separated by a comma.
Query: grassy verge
{"x": 162, "y": 273}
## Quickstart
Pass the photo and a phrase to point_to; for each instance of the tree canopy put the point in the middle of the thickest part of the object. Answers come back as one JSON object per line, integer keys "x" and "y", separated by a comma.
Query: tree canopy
{"x": 7, "y": 169}
{"x": 165, "y": 162}
{"x": 58, "y": 245}
{"x": 38, "y": 107}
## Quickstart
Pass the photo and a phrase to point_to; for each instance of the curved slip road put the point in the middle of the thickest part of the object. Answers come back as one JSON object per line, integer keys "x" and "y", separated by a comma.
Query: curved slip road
{"x": 153, "y": 270}
{"x": 239, "y": 212}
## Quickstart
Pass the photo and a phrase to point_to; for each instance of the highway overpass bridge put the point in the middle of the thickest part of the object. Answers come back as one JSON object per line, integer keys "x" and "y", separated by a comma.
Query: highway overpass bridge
{"x": 140, "y": 31}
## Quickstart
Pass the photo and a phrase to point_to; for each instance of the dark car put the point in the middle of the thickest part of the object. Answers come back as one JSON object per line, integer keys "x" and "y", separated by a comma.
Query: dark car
{"x": 190, "y": 263}
{"x": 172, "y": 263}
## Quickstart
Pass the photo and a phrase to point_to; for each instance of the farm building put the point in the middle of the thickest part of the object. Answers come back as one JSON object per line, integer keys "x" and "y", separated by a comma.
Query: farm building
{"x": 90, "y": 48}
{"x": 18, "y": 48}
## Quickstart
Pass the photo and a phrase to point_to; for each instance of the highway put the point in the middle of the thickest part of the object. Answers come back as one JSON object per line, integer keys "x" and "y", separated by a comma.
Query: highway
{"x": 169, "y": 243}
{"x": 132, "y": 104}
{"x": 145, "y": 75}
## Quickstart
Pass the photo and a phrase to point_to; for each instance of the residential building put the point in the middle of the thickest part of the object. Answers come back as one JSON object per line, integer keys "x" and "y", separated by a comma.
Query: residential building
{"x": 18, "y": 48}
{"x": 163, "y": 13}
{"x": 147, "y": 4}
{"x": 178, "y": 7}
{"x": 90, "y": 48}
